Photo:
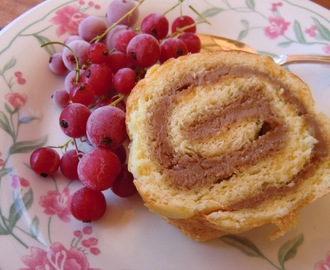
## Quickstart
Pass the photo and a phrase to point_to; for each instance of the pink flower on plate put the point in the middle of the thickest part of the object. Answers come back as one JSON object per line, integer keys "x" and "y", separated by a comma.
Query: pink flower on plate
{"x": 16, "y": 99}
{"x": 326, "y": 49}
{"x": 19, "y": 77}
{"x": 57, "y": 203}
{"x": 88, "y": 230}
{"x": 275, "y": 6}
{"x": 324, "y": 264}
{"x": 311, "y": 31}
{"x": 56, "y": 257}
{"x": 89, "y": 243}
{"x": 277, "y": 27}
{"x": 77, "y": 233}
{"x": 68, "y": 19}
{"x": 17, "y": 181}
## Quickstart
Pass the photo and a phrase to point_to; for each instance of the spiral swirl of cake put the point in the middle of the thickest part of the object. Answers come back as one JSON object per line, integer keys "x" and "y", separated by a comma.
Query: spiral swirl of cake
{"x": 224, "y": 142}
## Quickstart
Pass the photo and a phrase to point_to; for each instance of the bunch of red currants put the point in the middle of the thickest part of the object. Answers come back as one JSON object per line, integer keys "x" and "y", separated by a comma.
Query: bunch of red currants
{"x": 101, "y": 65}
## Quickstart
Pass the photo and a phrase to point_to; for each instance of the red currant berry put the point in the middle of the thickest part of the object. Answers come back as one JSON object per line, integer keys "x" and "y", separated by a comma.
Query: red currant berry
{"x": 106, "y": 127}
{"x": 98, "y": 168}
{"x": 56, "y": 64}
{"x": 73, "y": 119}
{"x": 144, "y": 50}
{"x": 123, "y": 38}
{"x": 121, "y": 153}
{"x": 183, "y": 22}
{"x": 155, "y": 24}
{"x": 45, "y": 161}
{"x": 99, "y": 77}
{"x": 88, "y": 205}
{"x": 118, "y": 8}
{"x": 98, "y": 53}
{"x": 124, "y": 80}
{"x": 118, "y": 60}
{"x": 172, "y": 48}
{"x": 82, "y": 93}
{"x": 123, "y": 185}
{"x": 192, "y": 41}
{"x": 69, "y": 164}
{"x": 61, "y": 98}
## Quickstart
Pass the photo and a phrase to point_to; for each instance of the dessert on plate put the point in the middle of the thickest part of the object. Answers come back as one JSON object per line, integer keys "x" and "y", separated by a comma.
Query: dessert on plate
{"x": 223, "y": 142}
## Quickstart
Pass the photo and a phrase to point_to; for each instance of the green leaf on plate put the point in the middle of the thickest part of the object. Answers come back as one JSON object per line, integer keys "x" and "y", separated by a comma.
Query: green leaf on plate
{"x": 323, "y": 30}
{"x": 10, "y": 110}
{"x": 27, "y": 146}
{"x": 3, "y": 230}
{"x": 4, "y": 123}
{"x": 34, "y": 227}
{"x": 289, "y": 249}
{"x": 212, "y": 12}
{"x": 5, "y": 171}
{"x": 298, "y": 32}
{"x": 243, "y": 34}
{"x": 285, "y": 44}
{"x": 8, "y": 65}
{"x": 18, "y": 207}
{"x": 27, "y": 119}
{"x": 243, "y": 244}
{"x": 49, "y": 48}
{"x": 251, "y": 4}
{"x": 245, "y": 23}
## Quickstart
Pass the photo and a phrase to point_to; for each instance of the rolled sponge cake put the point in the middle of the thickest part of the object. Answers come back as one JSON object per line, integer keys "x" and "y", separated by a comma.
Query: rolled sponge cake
{"x": 223, "y": 142}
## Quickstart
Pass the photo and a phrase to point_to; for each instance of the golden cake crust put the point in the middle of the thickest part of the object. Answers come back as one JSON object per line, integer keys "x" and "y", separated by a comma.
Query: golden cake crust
{"x": 224, "y": 142}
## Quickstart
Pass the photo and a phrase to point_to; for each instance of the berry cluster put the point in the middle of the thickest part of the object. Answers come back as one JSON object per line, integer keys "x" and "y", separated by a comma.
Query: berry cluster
{"x": 101, "y": 65}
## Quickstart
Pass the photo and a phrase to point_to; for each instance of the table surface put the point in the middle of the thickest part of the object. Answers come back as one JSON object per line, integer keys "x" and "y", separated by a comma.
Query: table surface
{"x": 10, "y": 9}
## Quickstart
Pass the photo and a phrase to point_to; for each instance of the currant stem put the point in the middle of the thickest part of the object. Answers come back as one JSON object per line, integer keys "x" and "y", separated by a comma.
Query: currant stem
{"x": 98, "y": 38}
{"x": 172, "y": 8}
{"x": 79, "y": 154}
{"x": 199, "y": 15}
{"x": 118, "y": 98}
{"x": 73, "y": 53}
{"x": 64, "y": 146}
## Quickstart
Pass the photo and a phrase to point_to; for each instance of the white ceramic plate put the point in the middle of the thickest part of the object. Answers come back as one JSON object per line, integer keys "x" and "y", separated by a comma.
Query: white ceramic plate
{"x": 36, "y": 229}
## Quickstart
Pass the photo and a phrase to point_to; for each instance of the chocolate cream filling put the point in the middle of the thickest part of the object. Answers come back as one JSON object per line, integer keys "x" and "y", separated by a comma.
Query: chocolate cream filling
{"x": 193, "y": 171}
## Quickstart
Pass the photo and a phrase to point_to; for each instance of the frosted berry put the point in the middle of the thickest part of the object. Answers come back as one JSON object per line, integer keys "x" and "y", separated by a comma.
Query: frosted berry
{"x": 73, "y": 119}
{"x": 98, "y": 168}
{"x": 88, "y": 205}
{"x": 106, "y": 127}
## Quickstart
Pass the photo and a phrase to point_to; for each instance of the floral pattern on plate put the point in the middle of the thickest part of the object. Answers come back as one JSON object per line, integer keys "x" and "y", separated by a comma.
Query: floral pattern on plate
{"x": 34, "y": 215}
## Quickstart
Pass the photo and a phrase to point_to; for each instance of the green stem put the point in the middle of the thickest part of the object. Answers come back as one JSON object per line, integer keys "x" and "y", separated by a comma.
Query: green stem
{"x": 273, "y": 264}
{"x": 55, "y": 183}
{"x": 5, "y": 162}
{"x": 118, "y": 99}
{"x": 28, "y": 234}
{"x": 36, "y": 33}
{"x": 17, "y": 128}
{"x": 77, "y": 242}
{"x": 19, "y": 240}
{"x": 48, "y": 227}
{"x": 5, "y": 80}
{"x": 76, "y": 69}
{"x": 64, "y": 146}
{"x": 10, "y": 232}
{"x": 13, "y": 135}
{"x": 199, "y": 15}
{"x": 172, "y": 8}
{"x": 305, "y": 43}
